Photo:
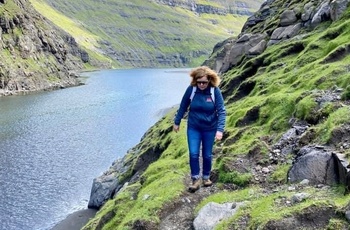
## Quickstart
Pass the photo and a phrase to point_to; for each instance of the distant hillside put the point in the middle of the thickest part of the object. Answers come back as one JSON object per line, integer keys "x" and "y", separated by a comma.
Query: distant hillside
{"x": 150, "y": 33}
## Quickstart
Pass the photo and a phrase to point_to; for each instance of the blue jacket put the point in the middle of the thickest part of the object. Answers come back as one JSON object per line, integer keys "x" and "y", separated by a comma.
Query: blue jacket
{"x": 203, "y": 114}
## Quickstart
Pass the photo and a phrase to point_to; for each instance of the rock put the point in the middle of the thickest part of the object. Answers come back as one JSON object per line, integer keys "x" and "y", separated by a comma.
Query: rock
{"x": 299, "y": 197}
{"x": 102, "y": 190}
{"x": 291, "y": 31}
{"x": 347, "y": 215}
{"x": 323, "y": 14}
{"x": 305, "y": 182}
{"x": 320, "y": 166}
{"x": 282, "y": 33}
{"x": 276, "y": 34}
{"x": 337, "y": 8}
{"x": 240, "y": 48}
{"x": 212, "y": 213}
{"x": 308, "y": 10}
{"x": 258, "y": 49}
{"x": 287, "y": 18}
{"x": 315, "y": 165}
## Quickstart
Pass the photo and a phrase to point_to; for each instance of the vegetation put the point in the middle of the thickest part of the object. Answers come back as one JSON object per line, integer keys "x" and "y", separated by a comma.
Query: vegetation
{"x": 143, "y": 33}
{"x": 291, "y": 77}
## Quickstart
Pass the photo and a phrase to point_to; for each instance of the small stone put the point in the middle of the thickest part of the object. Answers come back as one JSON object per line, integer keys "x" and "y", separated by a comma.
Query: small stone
{"x": 347, "y": 215}
{"x": 297, "y": 198}
{"x": 305, "y": 182}
{"x": 234, "y": 205}
{"x": 265, "y": 170}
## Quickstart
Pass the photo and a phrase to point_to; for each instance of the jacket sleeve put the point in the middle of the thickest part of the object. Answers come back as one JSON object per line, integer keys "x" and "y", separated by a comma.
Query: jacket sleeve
{"x": 185, "y": 102}
{"x": 220, "y": 109}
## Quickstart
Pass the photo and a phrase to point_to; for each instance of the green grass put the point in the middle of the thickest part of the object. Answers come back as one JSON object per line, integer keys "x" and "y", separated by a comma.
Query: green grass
{"x": 139, "y": 31}
{"x": 289, "y": 79}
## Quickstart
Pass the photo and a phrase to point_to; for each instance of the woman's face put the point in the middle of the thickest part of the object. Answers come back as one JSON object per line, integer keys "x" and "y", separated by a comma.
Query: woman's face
{"x": 202, "y": 83}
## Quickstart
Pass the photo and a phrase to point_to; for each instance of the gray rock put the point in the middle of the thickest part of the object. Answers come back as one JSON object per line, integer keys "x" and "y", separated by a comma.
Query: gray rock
{"x": 276, "y": 34}
{"x": 347, "y": 215}
{"x": 241, "y": 48}
{"x": 299, "y": 197}
{"x": 291, "y": 31}
{"x": 316, "y": 165}
{"x": 212, "y": 213}
{"x": 258, "y": 49}
{"x": 320, "y": 166}
{"x": 308, "y": 12}
{"x": 102, "y": 190}
{"x": 337, "y": 8}
{"x": 287, "y": 18}
{"x": 323, "y": 14}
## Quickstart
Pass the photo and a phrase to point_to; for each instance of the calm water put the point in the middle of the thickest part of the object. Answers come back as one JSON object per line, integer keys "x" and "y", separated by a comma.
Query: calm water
{"x": 53, "y": 144}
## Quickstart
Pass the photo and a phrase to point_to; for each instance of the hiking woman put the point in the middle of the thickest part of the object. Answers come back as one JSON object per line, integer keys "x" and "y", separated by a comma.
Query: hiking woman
{"x": 206, "y": 121}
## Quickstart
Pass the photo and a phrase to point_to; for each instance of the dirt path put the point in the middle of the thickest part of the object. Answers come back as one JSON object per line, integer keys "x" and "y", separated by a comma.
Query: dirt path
{"x": 179, "y": 215}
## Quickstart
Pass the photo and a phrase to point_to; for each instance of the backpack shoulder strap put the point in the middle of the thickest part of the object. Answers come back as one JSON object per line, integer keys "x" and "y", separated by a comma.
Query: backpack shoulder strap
{"x": 212, "y": 93}
{"x": 194, "y": 88}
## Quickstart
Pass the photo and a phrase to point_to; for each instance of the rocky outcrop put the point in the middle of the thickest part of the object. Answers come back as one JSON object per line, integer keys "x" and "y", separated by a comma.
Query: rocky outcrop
{"x": 319, "y": 166}
{"x": 235, "y": 7}
{"x": 251, "y": 42}
{"x": 36, "y": 55}
{"x": 127, "y": 169}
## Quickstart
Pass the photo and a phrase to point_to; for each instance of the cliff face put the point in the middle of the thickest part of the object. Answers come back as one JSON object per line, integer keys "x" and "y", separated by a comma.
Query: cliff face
{"x": 218, "y": 7}
{"x": 35, "y": 55}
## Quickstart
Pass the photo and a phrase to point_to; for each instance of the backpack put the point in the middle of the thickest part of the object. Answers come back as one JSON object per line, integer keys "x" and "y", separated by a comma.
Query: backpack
{"x": 212, "y": 94}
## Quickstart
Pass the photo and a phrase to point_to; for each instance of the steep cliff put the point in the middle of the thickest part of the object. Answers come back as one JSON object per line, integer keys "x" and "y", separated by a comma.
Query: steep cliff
{"x": 284, "y": 159}
{"x": 215, "y": 7}
{"x": 35, "y": 55}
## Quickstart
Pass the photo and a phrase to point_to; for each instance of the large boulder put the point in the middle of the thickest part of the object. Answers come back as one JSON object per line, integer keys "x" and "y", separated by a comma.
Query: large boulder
{"x": 103, "y": 188}
{"x": 320, "y": 166}
{"x": 287, "y": 18}
{"x": 246, "y": 44}
{"x": 314, "y": 164}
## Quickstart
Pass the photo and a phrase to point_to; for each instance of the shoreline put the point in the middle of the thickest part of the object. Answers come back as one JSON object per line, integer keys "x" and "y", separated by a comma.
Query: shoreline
{"x": 76, "y": 220}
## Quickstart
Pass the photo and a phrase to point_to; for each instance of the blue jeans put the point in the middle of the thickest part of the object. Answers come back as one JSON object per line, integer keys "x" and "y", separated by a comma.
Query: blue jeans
{"x": 194, "y": 139}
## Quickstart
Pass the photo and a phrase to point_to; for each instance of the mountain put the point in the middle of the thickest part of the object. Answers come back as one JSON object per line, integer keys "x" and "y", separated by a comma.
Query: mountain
{"x": 135, "y": 33}
{"x": 35, "y": 54}
{"x": 283, "y": 162}
{"x": 46, "y": 50}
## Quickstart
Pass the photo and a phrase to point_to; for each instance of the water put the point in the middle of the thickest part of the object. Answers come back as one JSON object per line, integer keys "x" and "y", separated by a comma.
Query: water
{"x": 53, "y": 144}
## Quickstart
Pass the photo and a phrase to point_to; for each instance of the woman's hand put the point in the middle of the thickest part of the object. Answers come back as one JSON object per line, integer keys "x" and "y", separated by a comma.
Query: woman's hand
{"x": 176, "y": 128}
{"x": 218, "y": 135}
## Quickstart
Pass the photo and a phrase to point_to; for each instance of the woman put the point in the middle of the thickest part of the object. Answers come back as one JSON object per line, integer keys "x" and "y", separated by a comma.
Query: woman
{"x": 206, "y": 121}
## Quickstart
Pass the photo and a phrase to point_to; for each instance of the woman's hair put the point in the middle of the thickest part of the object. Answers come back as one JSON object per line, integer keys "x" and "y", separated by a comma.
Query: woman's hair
{"x": 202, "y": 71}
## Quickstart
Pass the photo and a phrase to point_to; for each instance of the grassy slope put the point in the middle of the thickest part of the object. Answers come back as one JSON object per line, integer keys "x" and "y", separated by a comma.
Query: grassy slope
{"x": 84, "y": 38}
{"x": 138, "y": 28}
{"x": 286, "y": 85}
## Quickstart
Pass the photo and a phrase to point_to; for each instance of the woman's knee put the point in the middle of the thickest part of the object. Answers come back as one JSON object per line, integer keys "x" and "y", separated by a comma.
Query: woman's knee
{"x": 194, "y": 155}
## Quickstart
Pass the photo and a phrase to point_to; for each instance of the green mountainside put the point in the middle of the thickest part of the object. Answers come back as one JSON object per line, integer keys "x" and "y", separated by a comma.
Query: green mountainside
{"x": 35, "y": 54}
{"x": 149, "y": 33}
{"x": 284, "y": 159}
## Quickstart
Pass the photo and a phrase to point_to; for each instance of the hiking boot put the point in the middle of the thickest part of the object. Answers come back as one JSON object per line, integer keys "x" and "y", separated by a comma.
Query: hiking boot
{"x": 207, "y": 183}
{"x": 196, "y": 184}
